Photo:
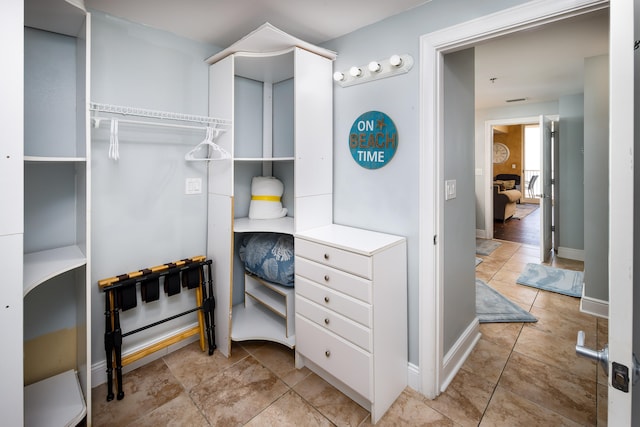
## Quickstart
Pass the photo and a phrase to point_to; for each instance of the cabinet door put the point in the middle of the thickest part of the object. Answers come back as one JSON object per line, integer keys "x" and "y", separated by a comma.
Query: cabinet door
{"x": 313, "y": 93}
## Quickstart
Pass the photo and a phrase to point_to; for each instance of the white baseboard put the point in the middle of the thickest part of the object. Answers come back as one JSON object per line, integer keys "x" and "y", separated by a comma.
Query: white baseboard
{"x": 595, "y": 307}
{"x": 570, "y": 253}
{"x": 481, "y": 234}
{"x": 99, "y": 369}
{"x": 459, "y": 353}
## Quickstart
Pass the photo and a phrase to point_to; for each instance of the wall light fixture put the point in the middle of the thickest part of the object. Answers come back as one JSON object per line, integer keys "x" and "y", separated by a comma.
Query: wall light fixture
{"x": 392, "y": 66}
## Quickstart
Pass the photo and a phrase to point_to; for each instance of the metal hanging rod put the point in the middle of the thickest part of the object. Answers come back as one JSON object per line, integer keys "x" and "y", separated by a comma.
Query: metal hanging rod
{"x": 154, "y": 114}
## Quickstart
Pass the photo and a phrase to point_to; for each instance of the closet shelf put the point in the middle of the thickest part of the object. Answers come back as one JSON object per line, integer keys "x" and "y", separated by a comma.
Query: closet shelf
{"x": 44, "y": 265}
{"x": 54, "y": 401}
{"x": 45, "y": 159}
{"x": 259, "y": 323}
{"x": 278, "y": 225}
{"x": 160, "y": 115}
{"x": 263, "y": 159}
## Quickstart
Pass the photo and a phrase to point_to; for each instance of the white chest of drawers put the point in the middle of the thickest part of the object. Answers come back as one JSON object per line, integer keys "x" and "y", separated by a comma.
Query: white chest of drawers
{"x": 351, "y": 312}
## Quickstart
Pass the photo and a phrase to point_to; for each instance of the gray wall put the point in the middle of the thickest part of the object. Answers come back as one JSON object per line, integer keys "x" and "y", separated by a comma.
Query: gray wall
{"x": 570, "y": 173}
{"x": 596, "y": 177}
{"x": 386, "y": 199}
{"x": 458, "y": 216}
{"x": 141, "y": 216}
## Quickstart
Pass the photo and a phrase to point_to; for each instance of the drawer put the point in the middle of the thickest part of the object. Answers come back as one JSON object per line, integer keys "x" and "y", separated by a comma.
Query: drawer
{"x": 350, "y": 262}
{"x": 342, "y": 304}
{"x": 330, "y": 320}
{"x": 334, "y": 279}
{"x": 343, "y": 360}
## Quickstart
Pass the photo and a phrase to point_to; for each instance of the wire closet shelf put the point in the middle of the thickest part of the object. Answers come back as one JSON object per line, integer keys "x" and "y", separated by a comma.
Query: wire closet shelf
{"x": 159, "y": 115}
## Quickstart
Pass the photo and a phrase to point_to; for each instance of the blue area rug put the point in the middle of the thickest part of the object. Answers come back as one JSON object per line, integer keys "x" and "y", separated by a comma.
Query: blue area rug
{"x": 493, "y": 307}
{"x": 566, "y": 282}
{"x": 485, "y": 246}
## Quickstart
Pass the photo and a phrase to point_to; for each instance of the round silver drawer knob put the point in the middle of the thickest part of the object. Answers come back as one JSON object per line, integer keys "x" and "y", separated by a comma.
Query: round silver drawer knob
{"x": 327, "y": 353}
{"x": 326, "y": 278}
{"x": 326, "y": 321}
{"x": 326, "y": 299}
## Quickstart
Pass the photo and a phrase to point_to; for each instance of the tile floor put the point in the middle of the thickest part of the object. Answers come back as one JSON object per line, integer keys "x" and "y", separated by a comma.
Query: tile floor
{"x": 518, "y": 375}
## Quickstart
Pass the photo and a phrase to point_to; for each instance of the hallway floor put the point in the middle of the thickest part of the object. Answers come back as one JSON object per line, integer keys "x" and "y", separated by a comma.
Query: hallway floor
{"x": 518, "y": 375}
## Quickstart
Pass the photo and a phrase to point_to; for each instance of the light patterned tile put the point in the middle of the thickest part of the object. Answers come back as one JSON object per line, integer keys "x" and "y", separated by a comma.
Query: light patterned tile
{"x": 503, "y": 334}
{"x": 410, "y": 409}
{"x": 551, "y": 387}
{"x": 555, "y": 351}
{"x": 603, "y": 404}
{"x": 565, "y": 325}
{"x": 465, "y": 399}
{"x": 191, "y": 365}
{"x": 522, "y": 295}
{"x": 238, "y": 394}
{"x": 281, "y": 361}
{"x": 329, "y": 401}
{"x": 180, "y": 411}
{"x": 510, "y": 410}
{"x": 145, "y": 389}
{"x": 290, "y": 411}
{"x": 487, "y": 360}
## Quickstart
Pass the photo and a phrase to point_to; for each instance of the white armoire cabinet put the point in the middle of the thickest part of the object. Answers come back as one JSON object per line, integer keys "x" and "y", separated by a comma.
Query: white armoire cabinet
{"x": 278, "y": 92}
{"x": 56, "y": 241}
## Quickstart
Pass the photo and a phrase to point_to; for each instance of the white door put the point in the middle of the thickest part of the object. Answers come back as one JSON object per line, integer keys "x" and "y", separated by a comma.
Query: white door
{"x": 621, "y": 218}
{"x": 545, "y": 188}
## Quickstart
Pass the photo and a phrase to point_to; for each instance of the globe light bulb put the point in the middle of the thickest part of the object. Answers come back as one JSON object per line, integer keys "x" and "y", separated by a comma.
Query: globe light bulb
{"x": 395, "y": 61}
{"x": 338, "y": 76}
{"x": 355, "y": 71}
{"x": 375, "y": 67}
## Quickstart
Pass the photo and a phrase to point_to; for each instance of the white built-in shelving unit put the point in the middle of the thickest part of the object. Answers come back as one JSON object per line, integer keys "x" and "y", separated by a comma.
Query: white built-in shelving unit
{"x": 277, "y": 91}
{"x": 56, "y": 268}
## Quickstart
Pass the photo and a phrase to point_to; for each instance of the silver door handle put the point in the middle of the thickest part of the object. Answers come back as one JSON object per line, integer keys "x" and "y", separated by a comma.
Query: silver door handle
{"x": 601, "y": 356}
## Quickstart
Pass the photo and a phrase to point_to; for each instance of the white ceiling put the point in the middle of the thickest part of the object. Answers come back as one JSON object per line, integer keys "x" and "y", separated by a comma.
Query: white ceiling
{"x": 538, "y": 65}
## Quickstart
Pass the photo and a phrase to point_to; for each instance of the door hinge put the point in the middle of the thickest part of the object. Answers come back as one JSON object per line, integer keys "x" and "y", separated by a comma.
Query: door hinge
{"x": 553, "y": 228}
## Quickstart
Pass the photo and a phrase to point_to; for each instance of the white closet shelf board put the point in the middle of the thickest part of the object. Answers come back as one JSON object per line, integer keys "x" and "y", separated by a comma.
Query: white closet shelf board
{"x": 268, "y": 38}
{"x": 55, "y": 401}
{"x": 259, "y": 323}
{"x": 278, "y": 225}
{"x": 36, "y": 159}
{"x": 264, "y": 159}
{"x": 42, "y": 266}
{"x": 62, "y": 17}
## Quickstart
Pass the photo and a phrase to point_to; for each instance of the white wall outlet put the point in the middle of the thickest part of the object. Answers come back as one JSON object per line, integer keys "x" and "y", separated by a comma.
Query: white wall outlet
{"x": 450, "y": 189}
{"x": 193, "y": 186}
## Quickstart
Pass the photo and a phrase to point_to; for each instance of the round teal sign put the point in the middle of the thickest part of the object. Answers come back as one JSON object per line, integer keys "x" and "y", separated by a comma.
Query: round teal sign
{"x": 373, "y": 140}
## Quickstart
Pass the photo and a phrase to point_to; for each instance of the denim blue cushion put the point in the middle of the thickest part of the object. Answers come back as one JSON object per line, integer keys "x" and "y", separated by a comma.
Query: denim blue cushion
{"x": 269, "y": 256}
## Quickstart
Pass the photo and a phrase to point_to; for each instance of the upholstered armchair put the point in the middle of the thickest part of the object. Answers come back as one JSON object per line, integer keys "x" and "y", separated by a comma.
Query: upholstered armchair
{"x": 504, "y": 202}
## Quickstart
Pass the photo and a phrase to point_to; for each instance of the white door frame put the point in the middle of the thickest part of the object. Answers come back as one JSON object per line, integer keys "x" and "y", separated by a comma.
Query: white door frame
{"x": 433, "y": 46}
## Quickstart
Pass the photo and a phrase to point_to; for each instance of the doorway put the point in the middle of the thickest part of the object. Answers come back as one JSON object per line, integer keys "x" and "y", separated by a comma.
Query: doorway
{"x": 432, "y": 277}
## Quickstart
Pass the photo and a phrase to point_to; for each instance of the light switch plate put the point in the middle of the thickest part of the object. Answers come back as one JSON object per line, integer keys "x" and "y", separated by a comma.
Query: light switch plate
{"x": 193, "y": 186}
{"x": 450, "y": 189}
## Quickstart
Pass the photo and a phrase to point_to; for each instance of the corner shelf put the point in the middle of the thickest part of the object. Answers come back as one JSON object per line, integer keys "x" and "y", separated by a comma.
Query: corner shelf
{"x": 258, "y": 323}
{"x": 279, "y": 225}
{"x": 55, "y": 401}
{"x": 44, "y": 265}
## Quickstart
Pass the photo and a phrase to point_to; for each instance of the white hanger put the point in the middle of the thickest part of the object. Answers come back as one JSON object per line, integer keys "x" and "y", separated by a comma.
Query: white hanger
{"x": 216, "y": 152}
